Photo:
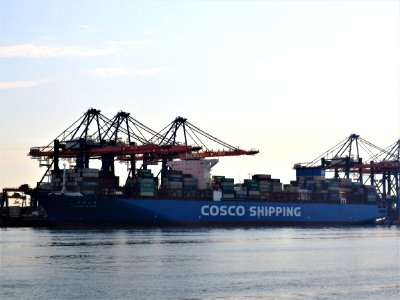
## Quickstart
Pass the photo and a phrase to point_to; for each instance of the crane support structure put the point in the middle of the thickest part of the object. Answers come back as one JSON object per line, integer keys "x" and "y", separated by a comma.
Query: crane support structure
{"x": 181, "y": 132}
{"x": 192, "y": 135}
{"x": 123, "y": 138}
{"x": 382, "y": 169}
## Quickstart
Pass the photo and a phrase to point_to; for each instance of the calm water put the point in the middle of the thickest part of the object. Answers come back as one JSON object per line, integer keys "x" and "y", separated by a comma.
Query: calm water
{"x": 277, "y": 263}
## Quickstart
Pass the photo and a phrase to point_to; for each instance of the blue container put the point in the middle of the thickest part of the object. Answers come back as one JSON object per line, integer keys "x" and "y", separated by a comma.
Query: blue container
{"x": 310, "y": 171}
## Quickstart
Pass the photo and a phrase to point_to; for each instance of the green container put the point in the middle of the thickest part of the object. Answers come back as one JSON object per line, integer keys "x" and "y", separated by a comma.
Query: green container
{"x": 249, "y": 181}
{"x": 228, "y": 180}
{"x": 228, "y": 188}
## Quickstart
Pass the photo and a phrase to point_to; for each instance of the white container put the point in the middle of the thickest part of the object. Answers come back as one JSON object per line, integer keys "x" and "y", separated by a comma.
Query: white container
{"x": 217, "y": 195}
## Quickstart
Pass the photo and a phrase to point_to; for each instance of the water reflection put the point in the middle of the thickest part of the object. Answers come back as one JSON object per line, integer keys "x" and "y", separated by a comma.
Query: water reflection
{"x": 173, "y": 263}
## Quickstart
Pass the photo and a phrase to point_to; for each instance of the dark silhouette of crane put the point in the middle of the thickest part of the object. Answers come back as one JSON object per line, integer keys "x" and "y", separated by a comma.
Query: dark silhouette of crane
{"x": 381, "y": 169}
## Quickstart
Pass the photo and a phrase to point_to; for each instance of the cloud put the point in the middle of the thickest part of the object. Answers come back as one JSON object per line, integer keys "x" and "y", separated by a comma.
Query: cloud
{"x": 149, "y": 41}
{"x": 30, "y": 50}
{"x": 49, "y": 38}
{"x": 124, "y": 72}
{"x": 37, "y": 51}
{"x": 22, "y": 84}
{"x": 90, "y": 29}
{"x": 132, "y": 42}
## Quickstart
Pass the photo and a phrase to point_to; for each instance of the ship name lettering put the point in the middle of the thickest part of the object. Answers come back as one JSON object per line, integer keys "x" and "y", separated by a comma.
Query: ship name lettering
{"x": 272, "y": 211}
{"x": 223, "y": 210}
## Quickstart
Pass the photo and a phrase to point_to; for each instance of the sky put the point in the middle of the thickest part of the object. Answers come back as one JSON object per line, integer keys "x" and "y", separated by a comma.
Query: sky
{"x": 290, "y": 78}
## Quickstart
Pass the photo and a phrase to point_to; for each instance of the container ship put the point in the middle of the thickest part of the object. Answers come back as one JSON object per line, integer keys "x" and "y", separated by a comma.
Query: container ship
{"x": 186, "y": 199}
{"x": 185, "y": 192}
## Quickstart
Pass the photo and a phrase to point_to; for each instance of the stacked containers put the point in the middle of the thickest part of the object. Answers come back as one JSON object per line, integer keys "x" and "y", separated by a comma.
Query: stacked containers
{"x": 216, "y": 181}
{"x": 189, "y": 186}
{"x": 357, "y": 192}
{"x": 291, "y": 188}
{"x": 228, "y": 188}
{"x": 333, "y": 190}
{"x": 84, "y": 180}
{"x": 108, "y": 182}
{"x": 342, "y": 190}
{"x": 264, "y": 182}
{"x": 225, "y": 185}
{"x": 305, "y": 195}
{"x": 240, "y": 191}
{"x": 276, "y": 185}
{"x": 56, "y": 180}
{"x": 173, "y": 183}
{"x": 345, "y": 190}
{"x": 145, "y": 183}
{"x": 370, "y": 193}
{"x": 320, "y": 190}
{"x": 88, "y": 180}
{"x": 253, "y": 191}
{"x": 313, "y": 188}
{"x": 189, "y": 182}
{"x": 264, "y": 185}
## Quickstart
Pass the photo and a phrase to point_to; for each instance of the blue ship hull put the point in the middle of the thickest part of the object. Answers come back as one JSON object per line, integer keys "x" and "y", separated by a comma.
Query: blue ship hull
{"x": 75, "y": 210}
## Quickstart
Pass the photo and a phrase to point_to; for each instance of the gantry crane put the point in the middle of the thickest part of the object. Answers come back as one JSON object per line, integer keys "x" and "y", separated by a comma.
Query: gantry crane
{"x": 181, "y": 132}
{"x": 192, "y": 135}
{"x": 97, "y": 137}
{"x": 94, "y": 136}
{"x": 381, "y": 169}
